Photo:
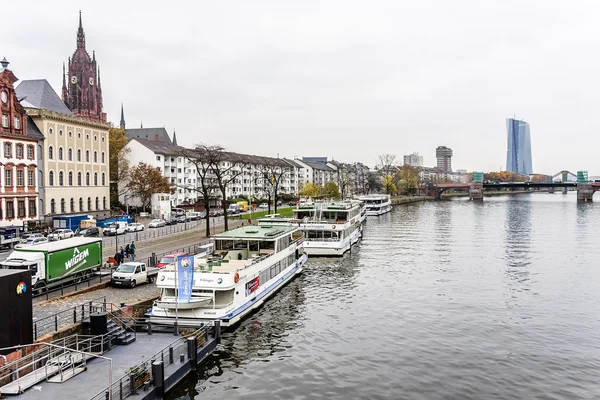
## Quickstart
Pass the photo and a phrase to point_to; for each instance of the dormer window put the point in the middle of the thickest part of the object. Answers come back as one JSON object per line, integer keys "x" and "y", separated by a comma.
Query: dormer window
{"x": 4, "y": 121}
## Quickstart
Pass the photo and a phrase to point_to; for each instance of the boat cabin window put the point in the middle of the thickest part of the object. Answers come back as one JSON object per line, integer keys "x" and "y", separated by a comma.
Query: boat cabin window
{"x": 303, "y": 214}
{"x": 223, "y": 244}
{"x": 240, "y": 244}
{"x": 267, "y": 245}
{"x": 253, "y": 245}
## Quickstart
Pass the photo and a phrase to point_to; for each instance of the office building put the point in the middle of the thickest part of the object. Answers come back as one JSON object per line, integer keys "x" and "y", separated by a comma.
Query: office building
{"x": 413, "y": 159}
{"x": 518, "y": 153}
{"x": 444, "y": 158}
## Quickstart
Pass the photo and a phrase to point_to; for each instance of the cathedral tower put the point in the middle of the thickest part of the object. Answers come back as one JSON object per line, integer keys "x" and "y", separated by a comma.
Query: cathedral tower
{"x": 82, "y": 91}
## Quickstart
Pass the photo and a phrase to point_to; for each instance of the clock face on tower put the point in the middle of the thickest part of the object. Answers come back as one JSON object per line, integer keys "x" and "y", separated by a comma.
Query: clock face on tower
{"x": 91, "y": 81}
{"x": 4, "y": 96}
{"x": 73, "y": 79}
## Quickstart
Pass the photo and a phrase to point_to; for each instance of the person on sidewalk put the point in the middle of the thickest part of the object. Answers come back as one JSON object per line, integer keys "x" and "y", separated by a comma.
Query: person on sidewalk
{"x": 132, "y": 251}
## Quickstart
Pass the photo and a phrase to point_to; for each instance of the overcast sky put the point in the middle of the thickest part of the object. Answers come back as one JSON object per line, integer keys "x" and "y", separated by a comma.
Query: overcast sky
{"x": 343, "y": 79}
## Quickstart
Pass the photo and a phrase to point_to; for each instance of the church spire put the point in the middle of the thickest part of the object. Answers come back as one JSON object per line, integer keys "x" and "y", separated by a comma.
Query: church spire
{"x": 122, "y": 123}
{"x": 80, "y": 34}
{"x": 141, "y": 125}
{"x": 174, "y": 138}
{"x": 64, "y": 86}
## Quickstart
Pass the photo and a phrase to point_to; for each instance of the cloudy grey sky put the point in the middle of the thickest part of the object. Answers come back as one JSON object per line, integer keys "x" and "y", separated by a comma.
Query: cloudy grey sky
{"x": 345, "y": 79}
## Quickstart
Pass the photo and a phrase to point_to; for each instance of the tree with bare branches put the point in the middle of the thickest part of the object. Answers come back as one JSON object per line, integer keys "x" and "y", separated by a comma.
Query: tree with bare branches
{"x": 226, "y": 168}
{"x": 386, "y": 164}
{"x": 272, "y": 173}
{"x": 145, "y": 180}
{"x": 206, "y": 184}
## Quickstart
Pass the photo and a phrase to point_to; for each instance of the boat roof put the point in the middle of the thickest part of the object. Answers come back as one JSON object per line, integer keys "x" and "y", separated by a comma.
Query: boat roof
{"x": 257, "y": 232}
{"x": 61, "y": 244}
{"x": 373, "y": 196}
{"x": 329, "y": 205}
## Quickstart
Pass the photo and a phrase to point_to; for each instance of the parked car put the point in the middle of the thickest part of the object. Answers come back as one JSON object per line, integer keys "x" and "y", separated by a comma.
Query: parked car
{"x": 170, "y": 221}
{"x": 181, "y": 219}
{"x": 263, "y": 205}
{"x": 115, "y": 228}
{"x": 29, "y": 236}
{"x": 169, "y": 259}
{"x": 31, "y": 242}
{"x": 291, "y": 203}
{"x": 156, "y": 223}
{"x": 279, "y": 203}
{"x": 60, "y": 234}
{"x": 88, "y": 232}
{"x": 135, "y": 227}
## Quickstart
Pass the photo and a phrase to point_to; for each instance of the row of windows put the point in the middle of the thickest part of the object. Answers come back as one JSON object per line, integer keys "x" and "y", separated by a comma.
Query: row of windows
{"x": 19, "y": 150}
{"x": 8, "y": 177}
{"x": 61, "y": 181}
{"x": 87, "y": 136}
{"x": 70, "y": 155}
{"x": 63, "y": 205}
{"x": 17, "y": 122}
{"x": 21, "y": 212}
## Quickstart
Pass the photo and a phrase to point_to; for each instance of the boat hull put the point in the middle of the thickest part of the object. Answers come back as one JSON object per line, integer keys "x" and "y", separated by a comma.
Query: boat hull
{"x": 381, "y": 211}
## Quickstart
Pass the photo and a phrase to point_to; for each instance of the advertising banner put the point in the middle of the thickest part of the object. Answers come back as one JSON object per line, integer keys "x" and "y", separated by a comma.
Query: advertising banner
{"x": 252, "y": 286}
{"x": 185, "y": 278}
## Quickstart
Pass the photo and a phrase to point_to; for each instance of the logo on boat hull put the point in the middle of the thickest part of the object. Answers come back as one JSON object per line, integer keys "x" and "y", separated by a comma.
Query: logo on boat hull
{"x": 220, "y": 280}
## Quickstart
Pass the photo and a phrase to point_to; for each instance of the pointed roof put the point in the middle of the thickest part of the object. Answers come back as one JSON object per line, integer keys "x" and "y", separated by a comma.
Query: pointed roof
{"x": 80, "y": 34}
{"x": 122, "y": 123}
{"x": 38, "y": 93}
{"x": 174, "y": 138}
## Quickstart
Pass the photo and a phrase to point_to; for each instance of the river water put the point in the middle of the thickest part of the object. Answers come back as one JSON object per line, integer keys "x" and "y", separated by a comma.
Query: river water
{"x": 441, "y": 300}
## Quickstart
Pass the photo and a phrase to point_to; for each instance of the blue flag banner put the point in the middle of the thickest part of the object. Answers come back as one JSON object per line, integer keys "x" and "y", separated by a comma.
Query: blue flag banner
{"x": 185, "y": 278}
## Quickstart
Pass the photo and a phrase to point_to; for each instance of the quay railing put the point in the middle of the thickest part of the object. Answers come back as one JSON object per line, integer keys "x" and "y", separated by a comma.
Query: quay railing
{"x": 141, "y": 375}
{"x": 72, "y": 315}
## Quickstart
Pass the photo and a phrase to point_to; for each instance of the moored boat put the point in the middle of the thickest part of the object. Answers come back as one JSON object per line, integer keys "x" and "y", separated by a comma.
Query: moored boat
{"x": 376, "y": 204}
{"x": 330, "y": 227}
{"x": 248, "y": 265}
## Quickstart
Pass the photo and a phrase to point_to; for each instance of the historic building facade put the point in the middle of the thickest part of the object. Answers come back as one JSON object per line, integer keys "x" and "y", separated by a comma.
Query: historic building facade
{"x": 74, "y": 167}
{"x": 81, "y": 88}
{"x": 20, "y": 141}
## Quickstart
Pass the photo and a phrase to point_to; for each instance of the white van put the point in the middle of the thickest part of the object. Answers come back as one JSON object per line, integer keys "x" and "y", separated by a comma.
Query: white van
{"x": 177, "y": 212}
{"x": 115, "y": 228}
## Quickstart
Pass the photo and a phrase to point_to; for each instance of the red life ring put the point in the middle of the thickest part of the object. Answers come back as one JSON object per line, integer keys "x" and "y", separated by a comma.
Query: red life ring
{"x": 236, "y": 277}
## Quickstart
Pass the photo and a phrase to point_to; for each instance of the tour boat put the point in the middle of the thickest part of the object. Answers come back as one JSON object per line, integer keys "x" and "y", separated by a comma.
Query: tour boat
{"x": 330, "y": 227}
{"x": 248, "y": 265}
{"x": 377, "y": 204}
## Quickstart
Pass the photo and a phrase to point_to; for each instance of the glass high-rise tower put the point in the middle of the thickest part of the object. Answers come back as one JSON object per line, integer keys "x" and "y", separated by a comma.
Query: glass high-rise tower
{"x": 518, "y": 153}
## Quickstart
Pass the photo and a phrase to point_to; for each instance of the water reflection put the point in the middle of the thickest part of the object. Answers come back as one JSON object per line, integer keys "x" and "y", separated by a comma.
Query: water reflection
{"x": 261, "y": 337}
{"x": 517, "y": 243}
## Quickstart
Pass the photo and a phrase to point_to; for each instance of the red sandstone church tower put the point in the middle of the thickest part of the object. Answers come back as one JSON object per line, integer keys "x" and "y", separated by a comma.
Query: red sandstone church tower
{"x": 81, "y": 91}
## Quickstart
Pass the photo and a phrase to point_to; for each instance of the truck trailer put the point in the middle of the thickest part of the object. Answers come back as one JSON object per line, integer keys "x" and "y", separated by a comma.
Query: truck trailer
{"x": 58, "y": 262}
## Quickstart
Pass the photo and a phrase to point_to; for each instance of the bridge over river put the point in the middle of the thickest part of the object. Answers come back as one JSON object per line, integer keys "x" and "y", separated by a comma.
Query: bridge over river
{"x": 585, "y": 188}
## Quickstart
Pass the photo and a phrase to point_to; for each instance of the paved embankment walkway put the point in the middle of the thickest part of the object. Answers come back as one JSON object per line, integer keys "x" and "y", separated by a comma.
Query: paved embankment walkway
{"x": 43, "y": 308}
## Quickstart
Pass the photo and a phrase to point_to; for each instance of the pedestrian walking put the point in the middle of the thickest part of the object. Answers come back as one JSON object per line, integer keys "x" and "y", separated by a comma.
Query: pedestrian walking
{"x": 132, "y": 251}
{"x": 117, "y": 258}
{"x": 127, "y": 250}
{"x": 122, "y": 252}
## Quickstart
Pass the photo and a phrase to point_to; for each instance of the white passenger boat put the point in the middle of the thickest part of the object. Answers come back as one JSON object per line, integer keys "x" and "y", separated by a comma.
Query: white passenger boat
{"x": 377, "y": 204}
{"x": 330, "y": 227}
{"x": 248, "y": 265}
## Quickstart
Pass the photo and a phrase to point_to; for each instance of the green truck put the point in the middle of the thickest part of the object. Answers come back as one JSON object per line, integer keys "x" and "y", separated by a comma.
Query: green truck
{"x": 55, "y": 262}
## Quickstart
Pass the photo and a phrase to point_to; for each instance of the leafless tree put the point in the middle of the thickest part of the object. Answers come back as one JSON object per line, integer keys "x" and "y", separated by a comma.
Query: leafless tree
{"x": 343, "y": 179}
{"x": 206, "y": 184}
{"x": 386, "y": 164}
{"x": 226, "y": 167}
{"x": 272, "y": 172}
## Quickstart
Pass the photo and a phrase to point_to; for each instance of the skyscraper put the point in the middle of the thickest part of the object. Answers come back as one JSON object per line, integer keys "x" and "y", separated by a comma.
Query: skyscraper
{"x": 444, "y": 158}
{"x": 518, "y": 153}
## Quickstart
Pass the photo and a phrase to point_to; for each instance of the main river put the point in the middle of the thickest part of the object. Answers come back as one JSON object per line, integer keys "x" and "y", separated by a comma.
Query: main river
{"x": 441, "y": 300}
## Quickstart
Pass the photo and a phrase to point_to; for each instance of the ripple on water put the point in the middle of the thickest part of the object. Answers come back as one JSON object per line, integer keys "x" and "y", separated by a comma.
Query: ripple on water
{"x": 441, "y": 300}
